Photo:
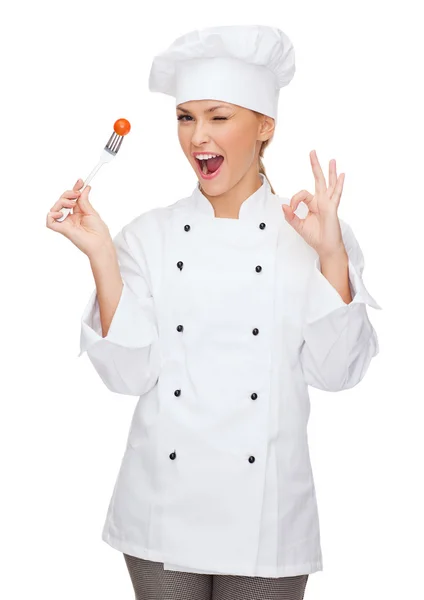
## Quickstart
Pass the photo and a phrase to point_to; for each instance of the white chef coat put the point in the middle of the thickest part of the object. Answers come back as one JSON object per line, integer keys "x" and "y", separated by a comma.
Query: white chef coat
{"x": 221, "y": 326}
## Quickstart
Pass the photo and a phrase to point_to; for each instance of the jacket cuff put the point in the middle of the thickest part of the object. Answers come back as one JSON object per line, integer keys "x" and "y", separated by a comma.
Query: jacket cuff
{"x": 323, "y": 298}
{"x": 132, "y": 325}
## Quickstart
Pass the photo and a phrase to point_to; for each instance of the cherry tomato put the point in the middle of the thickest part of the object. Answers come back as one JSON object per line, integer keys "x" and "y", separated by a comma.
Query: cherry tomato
{"x": 122, "y": 127}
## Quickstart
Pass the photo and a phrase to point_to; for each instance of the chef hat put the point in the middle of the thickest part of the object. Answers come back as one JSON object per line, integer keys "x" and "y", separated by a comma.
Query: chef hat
{"x": 244, "y": 65}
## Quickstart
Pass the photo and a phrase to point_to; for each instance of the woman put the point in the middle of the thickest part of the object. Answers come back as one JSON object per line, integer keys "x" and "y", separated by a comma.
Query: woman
{"x": 218, "y": 311}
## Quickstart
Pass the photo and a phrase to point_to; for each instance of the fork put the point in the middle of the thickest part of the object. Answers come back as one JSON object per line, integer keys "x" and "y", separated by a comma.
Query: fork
{"x": 109, "y": 152}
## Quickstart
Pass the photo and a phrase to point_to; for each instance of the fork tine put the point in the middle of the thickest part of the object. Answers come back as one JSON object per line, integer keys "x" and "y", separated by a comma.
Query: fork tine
{"x": 114, "y": 143}
{"x": 119, "y": 142}
{"x": 111, "y": 142}
{"x": 113, "y": 147}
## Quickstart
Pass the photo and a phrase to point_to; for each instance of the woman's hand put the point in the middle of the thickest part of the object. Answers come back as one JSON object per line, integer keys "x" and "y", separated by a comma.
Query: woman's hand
{"x": 320, "y": 228}
{"x": 84, "y": 227}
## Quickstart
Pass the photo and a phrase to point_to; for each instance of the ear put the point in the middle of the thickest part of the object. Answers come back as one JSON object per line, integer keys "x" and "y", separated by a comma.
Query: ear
{"x": 266, "y": 128}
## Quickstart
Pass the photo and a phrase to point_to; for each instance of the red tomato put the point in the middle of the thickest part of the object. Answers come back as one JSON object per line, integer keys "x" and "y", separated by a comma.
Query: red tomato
{"x": 122, "y": 127}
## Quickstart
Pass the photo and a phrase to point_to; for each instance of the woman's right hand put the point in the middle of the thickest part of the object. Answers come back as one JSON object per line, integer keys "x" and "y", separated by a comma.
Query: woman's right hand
{"x": 84, "y": 227}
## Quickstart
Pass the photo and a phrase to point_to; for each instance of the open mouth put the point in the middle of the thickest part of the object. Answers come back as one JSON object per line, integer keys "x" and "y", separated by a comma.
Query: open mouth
{"x": 211, "y": 165}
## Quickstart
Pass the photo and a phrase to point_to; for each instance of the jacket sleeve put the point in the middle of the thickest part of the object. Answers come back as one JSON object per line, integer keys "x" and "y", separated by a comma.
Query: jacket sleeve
{"x": 338, "y": 338}
{"x": 127, "y": 359}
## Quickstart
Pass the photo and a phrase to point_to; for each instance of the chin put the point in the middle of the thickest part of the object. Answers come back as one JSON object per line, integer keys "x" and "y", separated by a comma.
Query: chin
{"x": 213, "y": 188}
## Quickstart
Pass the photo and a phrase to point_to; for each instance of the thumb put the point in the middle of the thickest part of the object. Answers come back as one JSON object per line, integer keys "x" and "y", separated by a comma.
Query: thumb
{"x": 83, "y": 204}
{"x": 292, "y": 218}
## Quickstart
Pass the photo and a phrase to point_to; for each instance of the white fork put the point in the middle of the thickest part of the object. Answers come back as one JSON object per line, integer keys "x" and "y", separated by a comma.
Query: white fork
{"x": 109, "y": 152}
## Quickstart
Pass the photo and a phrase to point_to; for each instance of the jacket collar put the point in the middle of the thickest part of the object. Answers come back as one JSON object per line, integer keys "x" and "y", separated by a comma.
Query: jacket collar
{"x": 251, "y": 209}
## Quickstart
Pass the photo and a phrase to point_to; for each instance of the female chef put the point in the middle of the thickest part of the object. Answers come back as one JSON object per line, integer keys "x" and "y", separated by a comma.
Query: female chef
{"x": 217, "y": 312}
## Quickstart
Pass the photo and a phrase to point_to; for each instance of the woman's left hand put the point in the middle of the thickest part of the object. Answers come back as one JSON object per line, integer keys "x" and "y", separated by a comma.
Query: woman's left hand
{"x": 320, "y": 228}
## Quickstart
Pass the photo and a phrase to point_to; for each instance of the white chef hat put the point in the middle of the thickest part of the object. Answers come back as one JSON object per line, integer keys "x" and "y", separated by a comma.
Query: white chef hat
{"x": 244, "y": 65}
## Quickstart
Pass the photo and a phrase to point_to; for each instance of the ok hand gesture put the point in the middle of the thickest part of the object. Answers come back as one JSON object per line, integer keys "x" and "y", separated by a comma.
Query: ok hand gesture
{"x": 320, "y": 228}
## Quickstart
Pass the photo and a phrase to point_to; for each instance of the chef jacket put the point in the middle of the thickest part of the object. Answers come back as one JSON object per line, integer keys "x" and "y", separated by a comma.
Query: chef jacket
{"x": 221, "y": 326}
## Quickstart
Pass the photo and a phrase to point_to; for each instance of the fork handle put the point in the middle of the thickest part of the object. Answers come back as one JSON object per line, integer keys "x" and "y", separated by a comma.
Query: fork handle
{"x": 65, "y": 211}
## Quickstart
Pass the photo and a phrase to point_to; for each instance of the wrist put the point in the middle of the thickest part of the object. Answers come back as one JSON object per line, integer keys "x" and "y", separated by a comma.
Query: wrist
{"x": 338, "y": 254}
{"x": 105, "y": 252}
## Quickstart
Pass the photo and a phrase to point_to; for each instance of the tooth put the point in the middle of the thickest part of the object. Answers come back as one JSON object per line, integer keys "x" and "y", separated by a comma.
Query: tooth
{"x": 204, "y": 168}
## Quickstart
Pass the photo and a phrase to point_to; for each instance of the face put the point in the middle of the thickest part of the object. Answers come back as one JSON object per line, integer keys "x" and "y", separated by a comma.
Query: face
{"x": 234, "y": 132}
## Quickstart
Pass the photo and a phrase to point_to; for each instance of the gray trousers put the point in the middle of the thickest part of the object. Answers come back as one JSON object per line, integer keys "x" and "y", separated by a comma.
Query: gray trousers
{"x": 151, "y": 582}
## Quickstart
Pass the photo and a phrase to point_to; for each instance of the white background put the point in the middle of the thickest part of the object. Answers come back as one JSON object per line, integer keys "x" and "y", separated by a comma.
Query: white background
{"x": 69, "y": 70}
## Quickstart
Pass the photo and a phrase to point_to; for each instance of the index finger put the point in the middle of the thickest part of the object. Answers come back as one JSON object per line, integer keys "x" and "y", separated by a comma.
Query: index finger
{"x": 302, "y": 196}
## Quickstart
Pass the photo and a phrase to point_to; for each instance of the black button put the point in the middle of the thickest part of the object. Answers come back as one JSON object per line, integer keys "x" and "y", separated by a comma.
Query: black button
{"x": 186, "y": 227}
{"x": 258, "y": 269}
{"x": 251, "y": 459}
{"x": 177, "y": 393}
{"x": 180, "y": 264}
{"x": 180, "y": 328}
{"x": 254, "y": 396}
{"x": 262, "y": 226}
{"x": 255, "y": 331}
{"x": 173, "y": 455}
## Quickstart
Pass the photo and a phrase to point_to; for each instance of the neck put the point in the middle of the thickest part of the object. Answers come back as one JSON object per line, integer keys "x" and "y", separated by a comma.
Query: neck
{"x": 227, "y": 205}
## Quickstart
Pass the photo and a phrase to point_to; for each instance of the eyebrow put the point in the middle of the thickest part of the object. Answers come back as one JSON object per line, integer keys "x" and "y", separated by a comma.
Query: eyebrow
{"x": 207, "y": 110}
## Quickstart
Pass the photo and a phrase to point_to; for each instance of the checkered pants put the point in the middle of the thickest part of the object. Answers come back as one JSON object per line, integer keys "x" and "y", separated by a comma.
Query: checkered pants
{"x": 152, "y": 582}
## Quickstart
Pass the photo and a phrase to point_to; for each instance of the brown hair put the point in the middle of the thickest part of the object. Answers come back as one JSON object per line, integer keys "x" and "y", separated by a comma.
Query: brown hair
{"x": 261, "y": 164}
{"x": 261, "y": 153}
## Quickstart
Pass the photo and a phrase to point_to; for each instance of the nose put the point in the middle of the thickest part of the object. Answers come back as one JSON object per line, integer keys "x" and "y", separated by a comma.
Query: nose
{"x": 200, "y": 134}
